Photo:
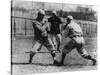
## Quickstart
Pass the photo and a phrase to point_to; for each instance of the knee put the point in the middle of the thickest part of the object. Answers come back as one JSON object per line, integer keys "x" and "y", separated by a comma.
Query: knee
{"x": 84, "y": 55}
{"x": 53, "y": 53}
{"x": 59, "y": 37}
{"x": 65, "y": 51}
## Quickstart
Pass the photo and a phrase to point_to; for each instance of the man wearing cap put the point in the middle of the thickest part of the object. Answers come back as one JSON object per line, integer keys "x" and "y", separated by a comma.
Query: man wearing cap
{"x": 40, "y": 36}
{"x": 77, "y": 41}
{"x": 54, "y": 32}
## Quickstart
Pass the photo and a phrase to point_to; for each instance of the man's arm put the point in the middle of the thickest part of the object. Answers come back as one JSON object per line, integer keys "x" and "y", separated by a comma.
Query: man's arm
{"x": 65, "y": 31}
{"x": 59, "y": 20}
{"x": 49, "y": 19}
{"x": 65, "y": 26}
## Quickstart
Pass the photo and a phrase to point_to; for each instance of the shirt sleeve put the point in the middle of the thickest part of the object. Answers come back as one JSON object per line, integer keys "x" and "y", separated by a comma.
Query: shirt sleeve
{"x": 49, "y": 19}
{"x": 67, "y": 31}
{"x": 58, "y": 20}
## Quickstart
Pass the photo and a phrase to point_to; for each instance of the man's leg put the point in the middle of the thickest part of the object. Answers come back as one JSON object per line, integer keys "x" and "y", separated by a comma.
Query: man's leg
{"x": 81, "y": 50}
{"x": 50, "y": 41}
{"x": 56, "y": 45}
{"x": 35, "y": 48}
{"x": 62, "y": 58}
{"x": 54, "y": 41}
{"x": 50, "y": 46}
{"x": 67, "y": 48}
{"x": 53, "y": 53}
{"x": 58, "y": 38}
{"x": 85, "y": 55}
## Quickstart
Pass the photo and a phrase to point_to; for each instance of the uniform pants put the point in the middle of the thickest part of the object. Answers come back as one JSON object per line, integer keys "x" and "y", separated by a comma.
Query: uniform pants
{"x": 44, "y": 42}
{"x": 78, "y": 43}
{"x": 37, "y": 47}
{"x": 54, "y": 40}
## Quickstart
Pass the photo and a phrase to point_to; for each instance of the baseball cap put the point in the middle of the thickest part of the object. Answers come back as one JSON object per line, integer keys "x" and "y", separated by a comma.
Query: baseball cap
{"x": 42, "y": 11}
{"x": 70, "y": 17}
{"x": 54, "y": 12}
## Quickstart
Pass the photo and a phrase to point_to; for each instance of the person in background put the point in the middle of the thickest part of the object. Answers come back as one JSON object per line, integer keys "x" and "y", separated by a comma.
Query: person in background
{"x": 54, "y": 32}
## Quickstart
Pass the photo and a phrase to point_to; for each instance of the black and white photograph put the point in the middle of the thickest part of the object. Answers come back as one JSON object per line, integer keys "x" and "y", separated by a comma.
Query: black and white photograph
{"x": 49, "y": 37}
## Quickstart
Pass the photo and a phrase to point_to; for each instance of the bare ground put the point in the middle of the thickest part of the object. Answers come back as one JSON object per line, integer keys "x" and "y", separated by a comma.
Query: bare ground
{"x": 42, "y": 63}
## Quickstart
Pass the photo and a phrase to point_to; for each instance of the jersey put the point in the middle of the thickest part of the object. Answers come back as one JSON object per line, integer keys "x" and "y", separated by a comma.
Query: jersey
{"x": 74, "y": 29}
{"x": 55, "y": 22}
{"x": 38, "y": 31}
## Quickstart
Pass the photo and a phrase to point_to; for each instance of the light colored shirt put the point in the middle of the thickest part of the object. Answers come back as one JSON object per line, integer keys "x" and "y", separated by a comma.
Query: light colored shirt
{"x": 74, "y": 29}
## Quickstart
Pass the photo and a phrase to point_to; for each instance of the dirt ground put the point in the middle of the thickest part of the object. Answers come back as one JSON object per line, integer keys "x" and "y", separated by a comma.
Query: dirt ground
{"x": 42, "y": 63}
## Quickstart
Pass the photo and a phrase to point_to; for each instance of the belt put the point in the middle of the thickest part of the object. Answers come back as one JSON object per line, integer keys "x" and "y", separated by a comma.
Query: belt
{"x": 76, "y": 36}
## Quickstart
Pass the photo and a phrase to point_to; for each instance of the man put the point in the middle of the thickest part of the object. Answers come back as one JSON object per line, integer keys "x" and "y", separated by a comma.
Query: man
{"x": 40, "y": 36}
{"x": 77, "y": 41}
{"x": 54, "y": 32}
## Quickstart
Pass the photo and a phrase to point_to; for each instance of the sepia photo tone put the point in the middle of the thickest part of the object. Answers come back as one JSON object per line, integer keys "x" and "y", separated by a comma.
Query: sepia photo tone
{"x": 52, "y": 37}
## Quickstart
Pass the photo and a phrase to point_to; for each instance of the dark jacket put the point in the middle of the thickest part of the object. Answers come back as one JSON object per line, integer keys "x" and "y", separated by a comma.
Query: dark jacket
{"x": 55, "y": 24}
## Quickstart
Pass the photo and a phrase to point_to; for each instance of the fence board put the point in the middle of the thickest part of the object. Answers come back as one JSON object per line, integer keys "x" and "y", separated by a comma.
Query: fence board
{"x": 23, "y": 26}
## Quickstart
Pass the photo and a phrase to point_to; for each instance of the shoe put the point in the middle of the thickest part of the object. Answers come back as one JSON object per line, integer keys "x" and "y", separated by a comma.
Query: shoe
{"x": 31, "y": 56}
{"x": 60, "y": 64}
{"x": 94, "y": 62}
{"x": 30, "y": 61}
{"x": 55, "y": 62}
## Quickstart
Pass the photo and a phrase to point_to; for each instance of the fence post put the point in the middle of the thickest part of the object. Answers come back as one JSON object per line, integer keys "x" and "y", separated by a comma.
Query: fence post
{"x": 14, "y": 28}
{"x": 90, "y": 29}
{"x": 87, "y": 29}
{"x": 83, "y": 28}
{"x": 25, "y": 28}
{"x": 96, "y": 30}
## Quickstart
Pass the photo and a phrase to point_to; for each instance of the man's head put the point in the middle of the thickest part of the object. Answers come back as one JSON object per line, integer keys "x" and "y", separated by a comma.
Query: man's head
{"x": 40, "y": 15}
{"x": 69, "y": 19}
{"x": 41, "y": 11}
{"x": 54, "y": 12}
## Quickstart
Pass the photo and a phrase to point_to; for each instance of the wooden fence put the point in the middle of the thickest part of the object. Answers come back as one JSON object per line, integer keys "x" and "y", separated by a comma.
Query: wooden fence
{"x": 21, "y": 26}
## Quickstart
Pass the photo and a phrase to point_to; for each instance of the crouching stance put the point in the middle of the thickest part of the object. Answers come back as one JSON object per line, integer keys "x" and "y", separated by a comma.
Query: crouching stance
{"x": 41, "y": 37}
{"x": 77, "y": 41}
